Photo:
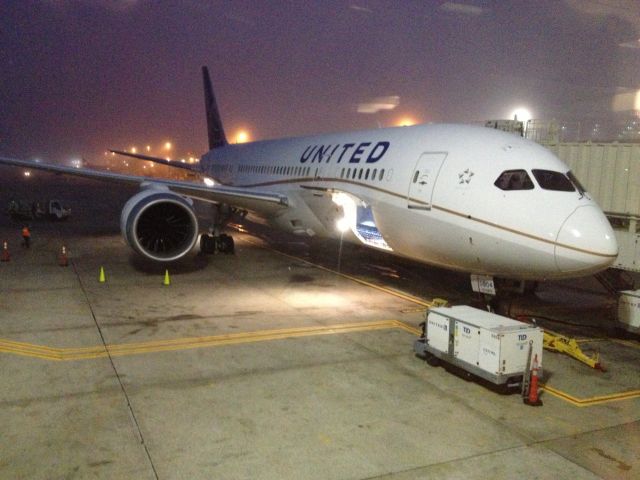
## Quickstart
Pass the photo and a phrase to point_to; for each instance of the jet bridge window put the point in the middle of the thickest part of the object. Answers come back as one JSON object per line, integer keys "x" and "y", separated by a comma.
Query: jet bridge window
{"x": 550, "y": 180}
{"x": 514, "y": 180}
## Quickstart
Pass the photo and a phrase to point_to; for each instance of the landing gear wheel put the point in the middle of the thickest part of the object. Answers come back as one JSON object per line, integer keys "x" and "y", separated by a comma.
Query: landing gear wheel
{"x": 207, "y": 244}
{"x": 226, "y": 244}
{"x": 210, "y": 244}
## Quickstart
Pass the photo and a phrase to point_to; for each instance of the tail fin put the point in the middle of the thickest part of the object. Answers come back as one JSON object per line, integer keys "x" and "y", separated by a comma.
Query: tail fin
{"x": 217, "y": 137}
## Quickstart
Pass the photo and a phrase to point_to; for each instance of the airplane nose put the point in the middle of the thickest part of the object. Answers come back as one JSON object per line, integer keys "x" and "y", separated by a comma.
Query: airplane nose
{"x": 586, "y": 242}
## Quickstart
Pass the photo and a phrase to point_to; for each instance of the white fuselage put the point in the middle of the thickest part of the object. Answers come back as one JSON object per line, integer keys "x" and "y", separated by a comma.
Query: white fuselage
{"x": 429, "y": 193}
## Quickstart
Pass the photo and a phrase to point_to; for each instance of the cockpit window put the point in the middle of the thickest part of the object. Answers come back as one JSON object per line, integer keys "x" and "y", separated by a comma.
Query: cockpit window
{"x": 514, "y": 180}
{"x": 550, "y": 180}
{"x": 576, "y": 183}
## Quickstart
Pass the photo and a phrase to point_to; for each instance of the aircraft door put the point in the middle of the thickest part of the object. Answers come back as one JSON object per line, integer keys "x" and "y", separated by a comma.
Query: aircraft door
{"x": 424, "y": 179}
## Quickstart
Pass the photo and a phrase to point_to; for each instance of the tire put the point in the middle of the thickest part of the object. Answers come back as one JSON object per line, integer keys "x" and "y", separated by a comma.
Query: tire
{"x": 226, "y": 244}
{"x": 433, "y": 361}
{"x": 207, "y": 244}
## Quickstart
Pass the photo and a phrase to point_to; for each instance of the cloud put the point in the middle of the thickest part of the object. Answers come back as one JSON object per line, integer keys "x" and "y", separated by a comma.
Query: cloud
{"x": 626, "y": 10}
{"x": 111, "y": 5}
{"x": 359, "y": 8}
{"x": 631, "y": 44}
{"x": 462, "y": 9}
{"x": 379, "y": 103}
{"x": 245, "y": 20}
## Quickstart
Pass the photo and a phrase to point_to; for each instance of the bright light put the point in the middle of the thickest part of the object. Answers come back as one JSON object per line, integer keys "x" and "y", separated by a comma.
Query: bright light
{"x": 310, "y": 298}
{"x": 342, "y": 225}
{"x": 349, "y": 209}
{"x": 134, "y": 150}
{"x": 208, "y": 182}
{"x": 242, "y": 137}
{"x": 27, "y": 173}
{"x": 168, "y": 146}
{"x": 148, "y": 148}
{"x": 521, "y": 114}
{"x": 405, "y": 122}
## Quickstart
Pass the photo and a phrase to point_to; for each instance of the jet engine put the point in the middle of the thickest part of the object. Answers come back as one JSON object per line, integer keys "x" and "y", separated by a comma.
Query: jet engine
{"x": 159, "y": 224}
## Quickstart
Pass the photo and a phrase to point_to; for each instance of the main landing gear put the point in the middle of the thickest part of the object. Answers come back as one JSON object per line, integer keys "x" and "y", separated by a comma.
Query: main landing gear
{"x": 210, "y": 244}
{"x": 214, "y": 241}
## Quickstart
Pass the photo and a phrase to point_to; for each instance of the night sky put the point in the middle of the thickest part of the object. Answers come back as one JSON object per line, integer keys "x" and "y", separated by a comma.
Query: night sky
{"x": 80, "y": 76}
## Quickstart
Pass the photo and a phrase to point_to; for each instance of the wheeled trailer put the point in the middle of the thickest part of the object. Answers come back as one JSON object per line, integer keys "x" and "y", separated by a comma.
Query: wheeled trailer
{"x": 492, "y": 347}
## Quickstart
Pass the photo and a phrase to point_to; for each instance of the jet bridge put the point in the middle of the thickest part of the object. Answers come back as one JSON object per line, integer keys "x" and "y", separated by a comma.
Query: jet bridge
{"x": 610, "y": 173}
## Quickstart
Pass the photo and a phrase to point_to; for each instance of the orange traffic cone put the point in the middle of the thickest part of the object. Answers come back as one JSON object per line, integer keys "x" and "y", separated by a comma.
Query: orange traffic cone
{"x": 532, "y": 398}
{"x": 5, "y": 252}
{"x": 63, "y": 259}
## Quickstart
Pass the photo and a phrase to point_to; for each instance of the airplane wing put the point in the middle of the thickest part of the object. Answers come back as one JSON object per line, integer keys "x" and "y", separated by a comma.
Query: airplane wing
{"x": 250, "y": 199}
{"x": 160, "y": 161}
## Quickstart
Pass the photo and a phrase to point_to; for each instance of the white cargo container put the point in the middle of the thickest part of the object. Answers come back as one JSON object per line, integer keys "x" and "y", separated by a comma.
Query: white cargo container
{"x": 629, "y": 311}
{"x": 490, "y": 346}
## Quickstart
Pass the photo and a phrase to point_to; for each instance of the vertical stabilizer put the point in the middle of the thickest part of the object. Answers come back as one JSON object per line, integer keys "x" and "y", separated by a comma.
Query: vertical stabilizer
{"x": 215, "y": 131}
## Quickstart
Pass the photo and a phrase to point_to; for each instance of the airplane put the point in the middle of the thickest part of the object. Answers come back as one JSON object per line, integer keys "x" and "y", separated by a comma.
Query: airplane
{"x": 461, "y": 197}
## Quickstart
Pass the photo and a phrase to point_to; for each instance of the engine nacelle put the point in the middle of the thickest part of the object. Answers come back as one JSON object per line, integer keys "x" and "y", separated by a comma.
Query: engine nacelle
{"x": 159, "y": 224}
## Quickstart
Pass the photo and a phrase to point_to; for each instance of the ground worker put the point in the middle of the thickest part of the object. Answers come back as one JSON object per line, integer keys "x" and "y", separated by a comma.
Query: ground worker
{"x": 26, "y": 236}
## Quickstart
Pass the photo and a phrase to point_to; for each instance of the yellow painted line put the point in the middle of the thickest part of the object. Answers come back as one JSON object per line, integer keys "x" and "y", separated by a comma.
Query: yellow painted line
{"x": 591, "y": 340}
{"x": 588, "y": 402}
{"x": 390, "y": 291}
{"x": 413, "y": 310}
{"x": 83, "y": 353}
{"x": 578, "y": 402}
{"x": 627, "y": 343}
{"x": 408, "y": 328}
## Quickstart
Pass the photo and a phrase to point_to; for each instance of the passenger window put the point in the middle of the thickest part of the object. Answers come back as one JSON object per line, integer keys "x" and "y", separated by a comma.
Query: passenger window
{"x": 366, "y": 175}
{"x": 514, "y": 180}
{"x": 342, "y": 173}
{"x": 415, "y": 176}
{"x": 381, "y": 174}
{"x": 550, "y": 180}
{"x": 373, "y": 174}
{"x": 355, "y": 171}
{"x": 360, "y": 174}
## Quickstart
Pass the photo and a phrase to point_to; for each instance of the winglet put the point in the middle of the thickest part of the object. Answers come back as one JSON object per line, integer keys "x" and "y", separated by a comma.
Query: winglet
{"x": 215, "y": 130}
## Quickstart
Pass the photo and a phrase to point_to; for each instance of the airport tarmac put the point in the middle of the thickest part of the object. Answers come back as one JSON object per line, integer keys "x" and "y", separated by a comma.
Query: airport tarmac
{"x": 271, "y": 364}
